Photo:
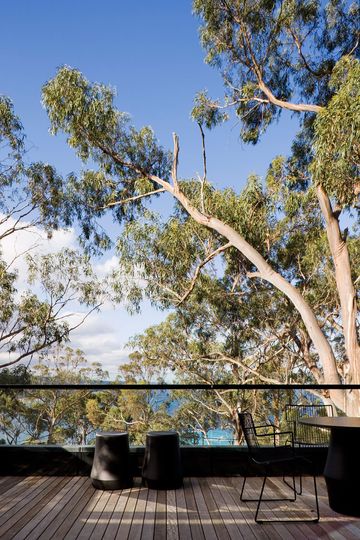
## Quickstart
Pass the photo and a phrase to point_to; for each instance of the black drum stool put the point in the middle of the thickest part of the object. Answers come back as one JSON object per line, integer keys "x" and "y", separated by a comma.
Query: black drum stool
{"x": 111, "y": 465}
{"x": 162, "y": 461}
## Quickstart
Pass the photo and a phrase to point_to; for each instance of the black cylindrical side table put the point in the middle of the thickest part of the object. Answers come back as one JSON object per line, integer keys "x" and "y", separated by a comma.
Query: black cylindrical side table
{"x": 162, "y": 461}
{"x": 111, "y": 465}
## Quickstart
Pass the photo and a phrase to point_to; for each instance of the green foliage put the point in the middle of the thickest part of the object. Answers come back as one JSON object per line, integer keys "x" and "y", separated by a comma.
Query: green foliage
{"x": 102, "y": 134}
{"x": 337, "y": 129}
{"x": 49, "y": 416}
{"x": 11, "y": 142}
{"x": 272, "y": 55}
{"x": 59, "y": 416}
{"x": 136, "y": 412}
{"x": 207, "y": 112}
{"x": 33, "y": 322}
{"x": 290, "y": 45}
{"x": 12, "y": 407}
{"x": 32, "y": 197}
{"x": 28, "y": 192}
{"x": 17, "y": 375}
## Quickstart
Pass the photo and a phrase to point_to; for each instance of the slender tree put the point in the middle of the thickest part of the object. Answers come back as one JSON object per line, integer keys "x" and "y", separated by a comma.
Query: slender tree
{"x": 134, "y": 411}
{"x": 59, "y": 416}
{"x": 32, "y": 201}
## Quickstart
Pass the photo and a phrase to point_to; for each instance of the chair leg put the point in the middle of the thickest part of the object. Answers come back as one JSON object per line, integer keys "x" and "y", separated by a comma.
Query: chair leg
{"x": 242, "y": 490}
{"x": 316, "y": 500}
{"x": 292, "y": 487}
{"x": 300, "y": 484}
{"x": 312, "y": 520}
{"x": 292, "y": 499}
{"x": 259, "y": 501}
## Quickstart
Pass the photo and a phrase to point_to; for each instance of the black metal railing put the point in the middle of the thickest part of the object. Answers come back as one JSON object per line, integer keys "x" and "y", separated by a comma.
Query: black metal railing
{"x": 167, "y": 386}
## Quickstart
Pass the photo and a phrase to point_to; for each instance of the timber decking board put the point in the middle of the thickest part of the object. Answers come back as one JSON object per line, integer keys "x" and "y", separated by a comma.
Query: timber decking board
{"x": 172, "y": 529}
{"x": 58, "y": 508}
{"x": 160, "y": 516}
{"x": 79, "y": 503}
{"x": 194, "y": 518}
{"x": 128, "y": 514}
{"x": 182, "y": 515}
{"x": 40, "y": 519}
{"x": 149, "y": 518}
{"x": 32, "y": 501}
{"x": 46, "y": 528}
{"x": 137, "y": 523}
{"x": 9, "y": 482}
{"x": 236, "y": 519}
{"x": 270, "y": 532}
{"x": 207, "y": 505}
{"x": 115, "y": 520}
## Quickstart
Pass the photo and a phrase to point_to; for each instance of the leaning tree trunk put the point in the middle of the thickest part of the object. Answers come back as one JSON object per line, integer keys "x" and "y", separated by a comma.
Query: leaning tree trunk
{"x": 266, "y": 272}
{"x": 347, "y": 297}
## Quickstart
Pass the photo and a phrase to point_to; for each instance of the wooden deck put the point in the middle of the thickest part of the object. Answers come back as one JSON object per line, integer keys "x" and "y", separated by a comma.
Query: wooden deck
{"x": 205, "y": 508}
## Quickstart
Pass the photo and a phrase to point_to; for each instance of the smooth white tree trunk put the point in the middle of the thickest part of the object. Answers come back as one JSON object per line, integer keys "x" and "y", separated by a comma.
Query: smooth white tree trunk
{"x": 266, "y": 272}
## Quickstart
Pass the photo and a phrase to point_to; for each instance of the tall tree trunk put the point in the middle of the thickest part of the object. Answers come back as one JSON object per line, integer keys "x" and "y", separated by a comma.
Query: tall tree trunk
{"x": 50, "y": 436}
{"x": 347, "y": 296}
{"x": 238, "y": 432}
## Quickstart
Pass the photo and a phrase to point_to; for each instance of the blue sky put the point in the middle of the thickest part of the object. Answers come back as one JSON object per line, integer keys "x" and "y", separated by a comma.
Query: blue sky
{"x": 148, "y": 51}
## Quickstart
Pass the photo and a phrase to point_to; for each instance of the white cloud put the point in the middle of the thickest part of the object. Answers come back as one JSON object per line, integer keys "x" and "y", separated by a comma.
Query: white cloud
{"x": 101, "y": 342}
{"x": 104, "y": 334}
{"x": 32, "y": 240}
{"x": 106, "y": 266}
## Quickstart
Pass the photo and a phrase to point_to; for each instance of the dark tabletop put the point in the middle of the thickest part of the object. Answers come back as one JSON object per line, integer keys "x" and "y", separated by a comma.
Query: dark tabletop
{"x": 348, "y": 422}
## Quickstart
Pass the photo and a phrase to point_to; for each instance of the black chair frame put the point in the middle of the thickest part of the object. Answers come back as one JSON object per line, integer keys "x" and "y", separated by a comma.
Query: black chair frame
{"x": 265, "y": 465}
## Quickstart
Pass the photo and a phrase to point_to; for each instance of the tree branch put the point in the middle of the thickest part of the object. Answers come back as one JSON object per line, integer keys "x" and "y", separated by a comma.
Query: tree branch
{"x": 203, "y": 179}
{"x": 298, "y": 107}
{"x": 130, "y": 199}
{"x": 199, "y": 267}
{"x": 175, "y": 162}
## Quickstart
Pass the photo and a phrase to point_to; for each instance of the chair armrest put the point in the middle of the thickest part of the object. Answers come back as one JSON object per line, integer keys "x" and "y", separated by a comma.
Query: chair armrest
{"x": 273, "y": 436}
{"x": 265, "y": 426}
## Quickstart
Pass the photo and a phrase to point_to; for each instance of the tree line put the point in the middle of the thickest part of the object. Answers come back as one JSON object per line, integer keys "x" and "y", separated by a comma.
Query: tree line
{"x": 72, "y": 417}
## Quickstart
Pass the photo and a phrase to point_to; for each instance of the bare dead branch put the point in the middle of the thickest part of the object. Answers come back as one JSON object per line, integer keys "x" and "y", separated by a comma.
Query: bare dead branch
{"x": 130, "y": 199}
{"x": 175, "y": 162}
{"x": 203, "y": 179}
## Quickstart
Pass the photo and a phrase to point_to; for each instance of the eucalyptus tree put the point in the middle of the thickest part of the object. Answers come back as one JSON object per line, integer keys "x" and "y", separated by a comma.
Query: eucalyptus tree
{"x": 218, "y": 338}
{"x": 55, "y": 415}
{"x": 32, "y": 202}
{"x": 299, "y": 57}
{"x": 133, "y": 411}
{"x": 13, "y": 411}
{"x": 131, "y": 166}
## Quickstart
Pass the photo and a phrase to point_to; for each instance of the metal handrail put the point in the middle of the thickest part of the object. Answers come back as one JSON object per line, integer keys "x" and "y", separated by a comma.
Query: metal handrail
{"x": 166, "y": 386}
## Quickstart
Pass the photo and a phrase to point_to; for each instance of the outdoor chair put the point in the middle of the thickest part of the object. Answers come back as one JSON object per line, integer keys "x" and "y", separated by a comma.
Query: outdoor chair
{"x": 307, "y": 435}
{"x": 274, "y": 459}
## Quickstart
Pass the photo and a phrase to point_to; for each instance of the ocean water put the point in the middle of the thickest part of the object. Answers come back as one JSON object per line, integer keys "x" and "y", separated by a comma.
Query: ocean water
{"x": 217, "y": 437}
